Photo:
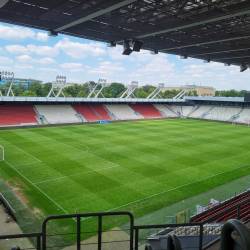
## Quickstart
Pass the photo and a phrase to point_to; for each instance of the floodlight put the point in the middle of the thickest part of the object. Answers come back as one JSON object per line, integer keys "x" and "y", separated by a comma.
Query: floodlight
{"x": 183, "y": 57}
{"x": 3, "y": 2}
{"x": 243, "y": 67}
{"x": 206, "y": 61}
{"x": 126, "y": 48}
{"x": 154, "y": 52}
{"x": 227, "y": 64}
{"x": 111, "y": 44}
{"x": 52, "y": 33}
{"x": 136, "y": 45}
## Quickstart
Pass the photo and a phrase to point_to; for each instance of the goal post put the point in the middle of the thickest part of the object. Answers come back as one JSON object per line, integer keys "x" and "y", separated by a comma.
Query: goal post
{"x": 181, "y": 217}
{"x": 1, "y": 153}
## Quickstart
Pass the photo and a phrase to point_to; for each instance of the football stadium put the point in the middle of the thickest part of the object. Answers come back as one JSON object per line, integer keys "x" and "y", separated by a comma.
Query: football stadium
{"x": 153, "y": 173}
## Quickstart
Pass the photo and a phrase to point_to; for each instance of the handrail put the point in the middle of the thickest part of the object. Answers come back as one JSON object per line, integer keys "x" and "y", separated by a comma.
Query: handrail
{"x": 79, "y": 216}
{"x": 133, "y": 228}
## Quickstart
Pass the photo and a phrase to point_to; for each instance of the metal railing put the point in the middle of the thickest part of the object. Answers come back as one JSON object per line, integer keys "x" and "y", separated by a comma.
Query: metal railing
{"x": 133, "y": 230}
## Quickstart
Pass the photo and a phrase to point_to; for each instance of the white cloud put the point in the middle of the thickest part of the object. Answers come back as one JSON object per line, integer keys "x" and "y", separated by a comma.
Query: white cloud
{"x": 196, "y": 75}
{"x": 42, "y": 50}
{"x": 194, "y": 71}
{"x": 48, "y": 69}
{"x": 158, "y": 65}
{"x": 1, "y": 50}
{"x": 144, "y": 56}
{"x": 73, "y": 67}
{"x": 30, "y": 48}
{"x": 5, "y": 60}
{"x": 24, "y": 66}
{"x": 42, "y": 37}
{"x": 134, "y": 75}
{"x": 80, "y": 50}
{"x": 116, "y": 53}
{"x": 28, "y": 59}
{"x": 20, "y": 33}
{"x": 74, "y": 80}
{"x": 16, "y": 33}
{"x": 212, "y": 65}
{"x": 17, "y": 49}
{"x": 107, "y": 68}
{"x": 6, "y": 68}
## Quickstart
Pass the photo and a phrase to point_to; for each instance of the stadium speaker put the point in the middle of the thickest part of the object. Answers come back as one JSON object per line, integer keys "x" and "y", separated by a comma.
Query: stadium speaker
{"x": 247, "y": 97}
{"x": 126, "y": 48}
{"x": 136, "y": 45}
{"x": 243, "y": 67}
{"x": 111, "y": 45}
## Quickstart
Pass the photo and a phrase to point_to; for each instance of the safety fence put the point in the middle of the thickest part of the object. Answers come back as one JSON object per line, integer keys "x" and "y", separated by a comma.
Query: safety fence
{"x": 133, "y": 240}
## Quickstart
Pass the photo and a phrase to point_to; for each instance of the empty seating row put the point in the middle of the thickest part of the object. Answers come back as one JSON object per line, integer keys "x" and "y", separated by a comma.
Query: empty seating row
{"x": 244, "y": 116}
{"x": 222, "y": 113}
{"x": 86, "y": 112}
{"x": 122, "y": 111}
{"x": 223, "y": 208}
{"x": 186, "y": 110}
{"x": 57, "y": 113}
{"x": 100, "y": 112}
{"x": 146, "y": 110}
{"x": 17, "y": 114}
{"x": 197, "y": 113}
{"x": 167, "y": 111}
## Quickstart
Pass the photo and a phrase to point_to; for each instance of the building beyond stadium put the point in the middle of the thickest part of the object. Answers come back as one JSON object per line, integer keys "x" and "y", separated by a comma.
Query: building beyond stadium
{"x": 25, "y": 82}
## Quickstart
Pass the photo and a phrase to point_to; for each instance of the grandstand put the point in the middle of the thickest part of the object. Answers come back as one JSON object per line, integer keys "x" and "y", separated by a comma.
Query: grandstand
{"x": 17, "y": 115}
{"x": 122, "y": 111}
{"x": 165, "y": 110}
{"x": 52, "y": 114}
{"x": 177, "y": 109}
{"x": 100, "y": 111}
{"x": 86, "y": 112}
{"x": 198, "y": 111}
{"x": 57, "y": 113}
{"x": 186, "y": 110}
{"x": 146, "y": 110}
{"x": 244, "y": 116}
{"x": 223, "y": 113}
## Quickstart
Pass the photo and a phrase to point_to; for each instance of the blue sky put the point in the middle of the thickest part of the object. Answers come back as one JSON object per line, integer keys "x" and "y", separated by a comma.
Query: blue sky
{"x": 30, "y": 53}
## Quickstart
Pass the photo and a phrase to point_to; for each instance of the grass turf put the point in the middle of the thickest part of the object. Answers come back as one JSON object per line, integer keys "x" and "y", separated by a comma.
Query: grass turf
{"x": 137, "y": 166}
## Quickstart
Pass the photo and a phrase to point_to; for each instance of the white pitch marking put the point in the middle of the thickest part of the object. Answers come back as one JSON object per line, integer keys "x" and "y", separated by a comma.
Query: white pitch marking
{"x": 76, "y": 174}
{"x": 145, "y": 198}
{"x": 79, "y": 150}
{"x": 26, "y": 164}
{"x": 82, "y": 145}
{"x": 36, "y": 187}
{"x": 25, "y": 152}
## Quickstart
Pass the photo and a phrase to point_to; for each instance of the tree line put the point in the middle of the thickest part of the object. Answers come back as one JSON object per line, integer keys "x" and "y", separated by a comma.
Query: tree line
{"x": 114, "y": 90}
{"x": 231, "y": 93}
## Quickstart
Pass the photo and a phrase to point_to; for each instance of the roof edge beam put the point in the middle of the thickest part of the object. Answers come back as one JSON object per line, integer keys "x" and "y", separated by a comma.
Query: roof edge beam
{"x": 219, "y": 52}
{"x": 198, "y": 44}
{"x": 193, "y": 24}
{"x": 96, "y": 14}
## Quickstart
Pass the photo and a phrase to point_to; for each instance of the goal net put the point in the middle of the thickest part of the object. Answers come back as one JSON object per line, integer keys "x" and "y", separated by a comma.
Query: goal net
{"x": 1, "y": 153}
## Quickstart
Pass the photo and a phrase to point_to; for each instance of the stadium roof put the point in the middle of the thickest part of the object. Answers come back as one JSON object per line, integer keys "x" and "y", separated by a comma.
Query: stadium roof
{"x": 214, "y": 99}
{"x": 216, "y": 30}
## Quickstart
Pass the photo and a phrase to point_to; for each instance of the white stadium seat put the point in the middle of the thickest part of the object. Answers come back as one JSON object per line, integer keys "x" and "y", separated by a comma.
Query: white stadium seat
{"x": 58, "y": 113}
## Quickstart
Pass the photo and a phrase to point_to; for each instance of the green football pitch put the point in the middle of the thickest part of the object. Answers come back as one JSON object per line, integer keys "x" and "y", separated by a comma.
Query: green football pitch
{"x": 134, "y": 166}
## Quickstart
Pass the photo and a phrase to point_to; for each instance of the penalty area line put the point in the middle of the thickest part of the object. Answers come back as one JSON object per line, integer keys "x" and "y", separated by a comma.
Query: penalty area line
{"x": 76, "y": 174}
{"x": 37, "y": 187}
{"x": 145, "y": 198}
{"x": 79, "y": 150}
